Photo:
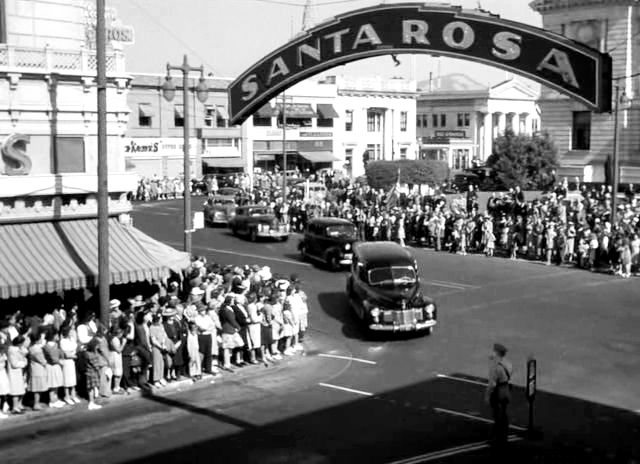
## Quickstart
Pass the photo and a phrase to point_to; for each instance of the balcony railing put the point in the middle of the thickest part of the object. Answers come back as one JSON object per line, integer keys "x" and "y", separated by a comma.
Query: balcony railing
{"x": 14, "y": 58}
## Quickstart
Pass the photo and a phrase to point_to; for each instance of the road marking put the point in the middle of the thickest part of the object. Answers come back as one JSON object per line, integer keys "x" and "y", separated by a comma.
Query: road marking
{"x": 470, "y": 416}
{"x": 348, "y": 358}
{"x": 247, "y": 255}
{"x": 446, "y": 283}
{"x": 450, "y": 452}
{"x": 460, "y": 379}
{"x": 350, "y": 390}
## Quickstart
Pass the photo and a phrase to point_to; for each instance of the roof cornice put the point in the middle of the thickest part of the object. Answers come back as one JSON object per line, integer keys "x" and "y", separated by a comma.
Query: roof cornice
{"x": 546, "y": 6}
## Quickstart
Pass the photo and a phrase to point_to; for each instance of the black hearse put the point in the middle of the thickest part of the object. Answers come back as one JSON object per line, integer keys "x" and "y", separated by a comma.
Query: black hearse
{"x": 330, "y": 241}
{"x": 384, "y": 289}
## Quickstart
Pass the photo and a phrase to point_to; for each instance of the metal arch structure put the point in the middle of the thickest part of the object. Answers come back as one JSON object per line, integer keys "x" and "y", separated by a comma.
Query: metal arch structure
{"x": 567, "y": 66}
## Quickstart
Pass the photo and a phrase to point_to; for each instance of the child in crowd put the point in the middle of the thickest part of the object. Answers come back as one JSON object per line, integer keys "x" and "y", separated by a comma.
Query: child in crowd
{"x": 94, "y": 362}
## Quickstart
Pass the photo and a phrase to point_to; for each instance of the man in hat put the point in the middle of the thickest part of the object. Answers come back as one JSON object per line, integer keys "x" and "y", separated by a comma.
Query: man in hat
{"x": 115, "y": 313}
{"x": 498, "y": 393}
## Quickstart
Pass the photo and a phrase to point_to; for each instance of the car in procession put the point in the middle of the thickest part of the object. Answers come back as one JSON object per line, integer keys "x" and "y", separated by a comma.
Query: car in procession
{"x": 383, "y": 289}
{"x": 330, "y": 241}
{"x": 255, "y": 221}
{"x": 219, "y": 209}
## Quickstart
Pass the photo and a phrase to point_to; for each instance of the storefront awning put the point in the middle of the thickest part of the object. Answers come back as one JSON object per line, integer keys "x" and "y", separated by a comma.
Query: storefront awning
{"x": 267, "y": 111}
{"x": 319, "y": 156}
{"x": 327, "y": 111}
{"x": 222, "y": 112}
{"x": 146, "y": 110}
{"x": 45, "y": 257}
{"x": 215, "y": 162}
{"x": 179, "y": 111}
{"x": 298, "y": 110}
{"x": 175, "y": 260}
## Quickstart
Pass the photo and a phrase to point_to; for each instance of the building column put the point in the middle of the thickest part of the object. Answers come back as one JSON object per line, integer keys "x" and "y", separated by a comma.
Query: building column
{"x": 524, "y": 121}
{"x": 501, "y": 126}
{"x": 515, "y": 123}
{"x": 487, "y": 137}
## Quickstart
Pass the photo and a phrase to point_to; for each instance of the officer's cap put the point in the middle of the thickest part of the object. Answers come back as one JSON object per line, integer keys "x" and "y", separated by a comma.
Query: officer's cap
{"x": 500, "y": 349}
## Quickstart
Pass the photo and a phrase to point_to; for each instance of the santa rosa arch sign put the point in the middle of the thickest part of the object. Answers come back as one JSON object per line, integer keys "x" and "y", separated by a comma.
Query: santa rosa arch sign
{"x": 574, "y": 69}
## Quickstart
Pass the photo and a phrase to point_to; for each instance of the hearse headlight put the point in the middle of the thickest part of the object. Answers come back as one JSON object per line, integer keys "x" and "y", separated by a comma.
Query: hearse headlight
{"x": 264, "y": 227}
{"x": 429, "y": 309}
{"x": 347, "y": 246}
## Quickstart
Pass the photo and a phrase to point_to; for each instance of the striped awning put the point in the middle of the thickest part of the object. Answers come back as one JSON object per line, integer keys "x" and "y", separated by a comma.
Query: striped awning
{"x": 45, "y": 257}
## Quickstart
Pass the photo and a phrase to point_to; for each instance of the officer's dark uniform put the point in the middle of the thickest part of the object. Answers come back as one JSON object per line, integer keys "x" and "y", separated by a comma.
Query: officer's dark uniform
{"x": 499, "y": 392}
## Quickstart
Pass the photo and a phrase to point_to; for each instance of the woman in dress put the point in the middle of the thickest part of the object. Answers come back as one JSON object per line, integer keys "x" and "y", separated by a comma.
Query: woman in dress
{"x": 17, "y": 363}
{"x": 254, "y": 328}
{"x": 37, "y": 369}
{"x": 173, "y": 330}
{"x": 5, "y": 388}
{"x": 53, "y": 355}
{"x": 69, "y": 348}
{"x": 117, "y": 342}
{"x": 158, "y": 338}
{"x": 230, "y": 331}
{"x": 265, "y": 327}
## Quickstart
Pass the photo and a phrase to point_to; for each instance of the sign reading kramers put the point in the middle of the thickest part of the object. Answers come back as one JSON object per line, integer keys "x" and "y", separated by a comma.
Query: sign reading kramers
{"x": 574, "y": 69}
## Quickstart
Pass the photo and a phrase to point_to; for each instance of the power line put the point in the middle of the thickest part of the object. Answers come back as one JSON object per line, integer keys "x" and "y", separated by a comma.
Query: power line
{"x": 280, "y": 2}
{"x": 172, "y": 34}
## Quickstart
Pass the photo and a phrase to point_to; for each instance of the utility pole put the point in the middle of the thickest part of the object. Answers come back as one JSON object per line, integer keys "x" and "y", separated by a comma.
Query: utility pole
{"x": 104, "y": 279}
{"x": 284, "y": 149}
{"x": 616, "y": 148}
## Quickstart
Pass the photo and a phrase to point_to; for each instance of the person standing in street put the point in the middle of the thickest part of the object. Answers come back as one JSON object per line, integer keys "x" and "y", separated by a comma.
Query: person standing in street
{"x": 498, "y": 393}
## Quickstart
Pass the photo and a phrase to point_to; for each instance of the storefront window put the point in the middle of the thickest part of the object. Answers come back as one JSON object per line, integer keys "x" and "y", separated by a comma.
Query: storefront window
{"x": 348, "y": 124}
{"x": 403, "y": 121}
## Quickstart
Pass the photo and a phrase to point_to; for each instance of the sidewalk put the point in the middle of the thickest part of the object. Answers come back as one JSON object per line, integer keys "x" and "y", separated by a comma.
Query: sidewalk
{"x": 249, "y": 372}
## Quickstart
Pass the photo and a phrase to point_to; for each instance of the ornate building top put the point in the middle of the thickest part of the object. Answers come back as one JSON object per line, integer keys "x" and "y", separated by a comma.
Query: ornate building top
{"x": 544, "y": 6}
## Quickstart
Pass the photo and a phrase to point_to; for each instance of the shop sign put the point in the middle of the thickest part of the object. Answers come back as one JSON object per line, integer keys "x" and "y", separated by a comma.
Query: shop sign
{"x": 581, "y": 72}
{"x": 156, "y": 146}
{"x": 316, "y": 134}
{"x": 115, "y": 31}
{"x": 451, "y": 134}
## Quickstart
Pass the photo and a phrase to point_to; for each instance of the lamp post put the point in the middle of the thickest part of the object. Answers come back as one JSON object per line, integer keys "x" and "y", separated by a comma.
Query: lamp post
{"x": 202, "y": 93}
{"x": 615, "y": 178}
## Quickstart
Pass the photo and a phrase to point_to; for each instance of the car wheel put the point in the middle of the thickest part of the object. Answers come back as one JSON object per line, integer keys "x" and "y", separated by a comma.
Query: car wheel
{"x": 303, "y": 252}
{"x": 334, "y": 263}
{"x": 253, "y": 235}
{"x": 429, "y": 331}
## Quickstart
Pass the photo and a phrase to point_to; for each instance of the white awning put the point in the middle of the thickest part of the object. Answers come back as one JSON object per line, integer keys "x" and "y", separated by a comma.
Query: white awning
{"x": 319, "y": 156}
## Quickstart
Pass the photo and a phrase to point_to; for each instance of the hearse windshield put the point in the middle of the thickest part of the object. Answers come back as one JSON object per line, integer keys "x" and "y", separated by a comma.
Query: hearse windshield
{"x": 341, "y": 231}
{"x": 392, "y": 276}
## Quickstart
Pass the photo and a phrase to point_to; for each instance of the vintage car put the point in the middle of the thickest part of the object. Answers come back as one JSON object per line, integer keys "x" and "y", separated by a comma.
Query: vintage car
{"x": 329, "y": 240}
{"x": 255, "y": 222}
{"x": 384, "y": 289}
{"x": 219, "y": 209}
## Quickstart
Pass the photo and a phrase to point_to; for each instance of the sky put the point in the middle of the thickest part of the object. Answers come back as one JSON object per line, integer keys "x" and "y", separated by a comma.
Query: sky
{"x": 228, "y": 36}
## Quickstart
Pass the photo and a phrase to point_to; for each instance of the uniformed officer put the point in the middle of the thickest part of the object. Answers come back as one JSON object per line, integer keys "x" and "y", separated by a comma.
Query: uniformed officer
{"x": 498, "y": 392}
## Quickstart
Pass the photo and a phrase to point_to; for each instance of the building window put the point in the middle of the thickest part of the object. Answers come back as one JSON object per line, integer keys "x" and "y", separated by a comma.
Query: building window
{"x": 69, "y": 155}
{"x": 297, "y": 122}
{"x": 145, "y": 114}
{"x": 581, "y": 130}
{"x": 260, "y": 121}
{"x": 463, "y": 119}
{"x": 461, "y": 158}
{"x": 374, "y": 121}
{"x": 220, "y": 142}
{"x": 324, "y": 122}
{"x": 443, "y": 120}
{"x": 534, "y": 125}
{"x": 374, "y": 151}
{"x": 419, "y": 120}
{"x": 209, "y": 115}
{"x": 348, "y": 121}
{"x": 403, "y": 153}
{"x": 348, "y": 160}
{"x": 221, "y": 118}
{"x": 403, "y": 121}
{"x": 178, "y": 116}
{"x": 522, "y": 125}
{"x": 434, "y": 120}
{"x": 425, "y": 118}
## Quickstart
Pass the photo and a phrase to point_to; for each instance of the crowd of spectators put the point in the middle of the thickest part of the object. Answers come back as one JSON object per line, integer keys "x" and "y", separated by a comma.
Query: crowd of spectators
{"x": 217, "y": 318}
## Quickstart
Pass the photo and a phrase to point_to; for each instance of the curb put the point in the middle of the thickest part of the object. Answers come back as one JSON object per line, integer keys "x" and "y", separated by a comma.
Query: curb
{"x": 244, "y": 373}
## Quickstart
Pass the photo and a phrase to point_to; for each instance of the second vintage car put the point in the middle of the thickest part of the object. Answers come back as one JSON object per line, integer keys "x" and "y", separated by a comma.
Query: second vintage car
{"x": 219, "y": 209}
{"x": 254, "y": 222}
{"x": 330, "y": 241}
{"x": 384, "y": 289}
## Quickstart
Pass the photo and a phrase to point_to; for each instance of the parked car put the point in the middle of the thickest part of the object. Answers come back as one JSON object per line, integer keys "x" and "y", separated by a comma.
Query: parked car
{"x": 314, "y": 191}
{"x": 219, "y": 209}
{"x": 330, "y": 241}
{"x": 258, "y": 222}
{"x": 384, "y": 289}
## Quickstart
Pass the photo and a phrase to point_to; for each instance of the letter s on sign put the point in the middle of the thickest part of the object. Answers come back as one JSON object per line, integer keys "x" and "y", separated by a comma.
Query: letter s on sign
{"x": 14, "y": 154}
{"x": 506, "y": 45}
{"x": 249, "y": 87}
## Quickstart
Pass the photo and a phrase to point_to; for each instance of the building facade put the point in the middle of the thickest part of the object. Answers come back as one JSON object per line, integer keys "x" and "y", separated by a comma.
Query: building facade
{"x": 585, "y": 139}
{"x": 336, "y": 122}
{"x": 153, "y": 143}
{"x": 458, "y": 118}
{"x": 48, "y": 167}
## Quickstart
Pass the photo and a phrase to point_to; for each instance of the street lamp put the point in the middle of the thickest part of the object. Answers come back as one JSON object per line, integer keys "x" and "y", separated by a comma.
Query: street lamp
{"x": 169, "y": 93}
{"x": 616, "y": 147}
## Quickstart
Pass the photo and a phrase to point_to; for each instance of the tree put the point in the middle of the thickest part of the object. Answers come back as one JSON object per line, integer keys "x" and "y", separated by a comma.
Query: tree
{"x": 383, "y": 174}
{"x": 529, "y": 161}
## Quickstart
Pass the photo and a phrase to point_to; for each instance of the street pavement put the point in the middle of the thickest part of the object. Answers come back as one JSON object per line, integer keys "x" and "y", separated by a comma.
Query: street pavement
{"x": 402, "y": 399}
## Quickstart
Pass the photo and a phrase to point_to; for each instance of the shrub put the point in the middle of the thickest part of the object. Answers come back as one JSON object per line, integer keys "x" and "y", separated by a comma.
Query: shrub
{"x": 383, "y": 174}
